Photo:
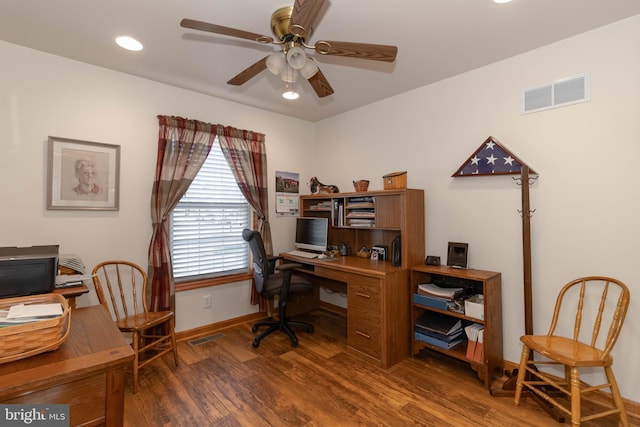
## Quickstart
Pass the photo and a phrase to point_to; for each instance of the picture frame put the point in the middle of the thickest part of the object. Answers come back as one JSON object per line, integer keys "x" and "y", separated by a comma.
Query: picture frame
{"x": 82, "y": 175}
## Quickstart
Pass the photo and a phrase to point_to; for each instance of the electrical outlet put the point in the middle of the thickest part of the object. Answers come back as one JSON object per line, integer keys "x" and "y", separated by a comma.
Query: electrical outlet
{"x": 206, "y": 301}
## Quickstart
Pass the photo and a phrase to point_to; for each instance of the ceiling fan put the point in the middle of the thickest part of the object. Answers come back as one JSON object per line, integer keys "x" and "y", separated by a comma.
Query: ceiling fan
{"x": 292, "y": 27}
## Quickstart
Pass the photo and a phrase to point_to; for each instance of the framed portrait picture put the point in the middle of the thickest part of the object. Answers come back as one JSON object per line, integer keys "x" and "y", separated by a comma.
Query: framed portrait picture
{"x": 82, "y": 175}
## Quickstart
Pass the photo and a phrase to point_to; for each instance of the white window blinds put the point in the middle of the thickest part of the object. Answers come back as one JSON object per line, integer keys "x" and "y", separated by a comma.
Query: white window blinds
{"x": 207, "y": 224}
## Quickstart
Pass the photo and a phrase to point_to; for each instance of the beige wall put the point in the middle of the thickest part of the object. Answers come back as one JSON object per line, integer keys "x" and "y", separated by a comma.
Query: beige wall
{"x": 587, "y": 156}
{"x": 42, "y": 95}
{"x": 585, "y": 198}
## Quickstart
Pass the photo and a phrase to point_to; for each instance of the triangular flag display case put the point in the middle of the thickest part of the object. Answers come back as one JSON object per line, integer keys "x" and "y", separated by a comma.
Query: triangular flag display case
{"x": 491, "y": 158}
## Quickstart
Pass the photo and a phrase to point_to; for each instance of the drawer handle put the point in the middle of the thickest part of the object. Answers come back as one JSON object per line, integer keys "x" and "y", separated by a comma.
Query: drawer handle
{"x": 362, "y": 334}
{"x": 360, "y": 294}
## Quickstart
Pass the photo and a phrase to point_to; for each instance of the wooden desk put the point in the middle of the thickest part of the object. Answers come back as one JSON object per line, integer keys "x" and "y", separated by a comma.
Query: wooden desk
{"x": 87, "y": 372}
{"x": 71, "y": 293}
{"x": 378, "y": 301}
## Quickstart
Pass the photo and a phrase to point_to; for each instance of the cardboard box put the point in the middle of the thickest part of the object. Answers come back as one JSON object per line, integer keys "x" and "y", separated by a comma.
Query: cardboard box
{"x": 474, "y": 307}
{"x": 395, "y": 180}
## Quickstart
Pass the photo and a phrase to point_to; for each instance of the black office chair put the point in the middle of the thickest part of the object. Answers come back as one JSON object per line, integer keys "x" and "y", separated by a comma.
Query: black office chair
{"x": 270, "y": 283}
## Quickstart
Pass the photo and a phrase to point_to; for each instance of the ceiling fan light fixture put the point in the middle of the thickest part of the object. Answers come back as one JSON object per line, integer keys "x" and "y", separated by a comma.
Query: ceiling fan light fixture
{"x": 310, "y": 68}
{"x": 276, "y": 63}
{"x": 290, "y": 95}
{"x": 296, "y": 57}
{"x": 289, "y": 75}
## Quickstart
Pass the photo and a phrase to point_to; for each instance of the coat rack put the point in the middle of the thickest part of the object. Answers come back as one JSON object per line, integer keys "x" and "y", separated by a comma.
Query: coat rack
{"x": 509, "y": 386}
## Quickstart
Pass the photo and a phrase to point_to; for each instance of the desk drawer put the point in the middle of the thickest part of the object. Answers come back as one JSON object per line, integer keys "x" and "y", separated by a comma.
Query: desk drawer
{"x": 331, "y": 274}
{"x": 365, "y": 338}
{"x": 364, "y": 310}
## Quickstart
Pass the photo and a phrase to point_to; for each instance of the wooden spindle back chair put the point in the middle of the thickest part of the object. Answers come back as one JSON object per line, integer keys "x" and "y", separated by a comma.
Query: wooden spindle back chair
{"x": 600, "y": 304}
{"x": 121, "y": 287}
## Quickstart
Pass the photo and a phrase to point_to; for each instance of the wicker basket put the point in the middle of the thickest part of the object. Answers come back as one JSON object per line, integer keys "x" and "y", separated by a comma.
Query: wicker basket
{"x": 361, "y": 185}
{"x": 28, "y": 339}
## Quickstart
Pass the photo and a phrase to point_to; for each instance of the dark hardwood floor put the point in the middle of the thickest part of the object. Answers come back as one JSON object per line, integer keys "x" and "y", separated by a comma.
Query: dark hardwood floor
{"x": 226, "y": 382}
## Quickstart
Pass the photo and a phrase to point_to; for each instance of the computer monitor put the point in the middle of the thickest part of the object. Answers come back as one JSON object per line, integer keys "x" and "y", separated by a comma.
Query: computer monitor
{"x": 312, "y": 233}
{"x": 28, "y": 271}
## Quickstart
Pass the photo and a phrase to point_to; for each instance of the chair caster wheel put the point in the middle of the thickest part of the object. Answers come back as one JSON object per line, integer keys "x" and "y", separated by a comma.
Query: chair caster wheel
{"x": 255, "y": 343}
{"x": 294, "y": 344}
{"x": 254, "y": 329}
{"x": 310, "y": 329}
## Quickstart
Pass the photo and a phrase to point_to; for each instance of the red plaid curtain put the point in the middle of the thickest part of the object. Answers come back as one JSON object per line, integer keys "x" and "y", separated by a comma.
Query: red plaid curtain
{"x": 183, "y": 146}
{"x": 246, "y": 154}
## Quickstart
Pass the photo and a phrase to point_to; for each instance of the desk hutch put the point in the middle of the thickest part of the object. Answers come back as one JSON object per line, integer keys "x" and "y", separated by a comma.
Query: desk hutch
{"x": 378, "y": 296}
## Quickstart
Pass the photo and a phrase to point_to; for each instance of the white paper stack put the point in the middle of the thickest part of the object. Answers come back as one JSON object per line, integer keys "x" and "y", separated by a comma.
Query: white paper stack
{"x": 437, "y": 291}
{"x": 30, "y": 312}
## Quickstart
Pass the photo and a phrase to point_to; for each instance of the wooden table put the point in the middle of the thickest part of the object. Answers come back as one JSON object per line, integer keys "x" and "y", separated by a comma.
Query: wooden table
{"x": 87, "y": 372}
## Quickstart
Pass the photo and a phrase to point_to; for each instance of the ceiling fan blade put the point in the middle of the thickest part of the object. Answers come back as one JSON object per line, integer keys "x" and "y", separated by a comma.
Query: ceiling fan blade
{"x": 303, "y": 17}
{"x": 320, "y": 84}
{"x": 376, "y": 52}
{"x": 219, "y": 29}
{"x": 245, "y": 75}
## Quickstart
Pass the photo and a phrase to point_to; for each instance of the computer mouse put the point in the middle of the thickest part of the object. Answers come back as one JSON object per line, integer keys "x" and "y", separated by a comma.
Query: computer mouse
{"x": 322, "y": 256}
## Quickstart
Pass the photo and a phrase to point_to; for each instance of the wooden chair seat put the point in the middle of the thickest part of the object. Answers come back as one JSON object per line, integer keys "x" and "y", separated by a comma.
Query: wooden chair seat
{"x": 567, "y": 351}
{"x": 121, "y": 287}
{"x": 143, "y": 321}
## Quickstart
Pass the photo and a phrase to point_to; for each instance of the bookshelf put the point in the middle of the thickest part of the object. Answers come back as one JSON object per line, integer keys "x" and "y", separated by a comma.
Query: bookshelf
{"x": 373, "y": 218}
{"x": 487, "y": 283}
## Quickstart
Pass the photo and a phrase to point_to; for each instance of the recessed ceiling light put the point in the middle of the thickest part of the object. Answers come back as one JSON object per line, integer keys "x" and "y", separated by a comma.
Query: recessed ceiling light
{"x": 501, "y": 1}
{"x": 129, "y": 43}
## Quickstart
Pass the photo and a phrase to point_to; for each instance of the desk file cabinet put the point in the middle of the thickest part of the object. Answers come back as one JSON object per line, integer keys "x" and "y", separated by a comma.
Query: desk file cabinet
{"x": 378, "y": 303}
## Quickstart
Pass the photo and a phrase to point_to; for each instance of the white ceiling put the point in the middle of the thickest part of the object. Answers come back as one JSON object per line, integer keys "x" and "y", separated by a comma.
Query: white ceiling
{"x": 436, "y": 39}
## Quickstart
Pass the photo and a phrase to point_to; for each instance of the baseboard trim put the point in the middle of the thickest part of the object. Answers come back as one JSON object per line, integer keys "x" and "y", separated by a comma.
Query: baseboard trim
{"x": 205, "y": 330}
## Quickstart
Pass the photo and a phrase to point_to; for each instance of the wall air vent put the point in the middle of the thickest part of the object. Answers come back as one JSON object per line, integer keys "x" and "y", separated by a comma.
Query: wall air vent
{"x": 559, "y": 94}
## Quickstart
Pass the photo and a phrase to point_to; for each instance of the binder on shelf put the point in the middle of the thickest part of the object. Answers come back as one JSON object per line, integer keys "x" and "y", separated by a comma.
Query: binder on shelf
{"x": 442, "y": 337}
{"x": 445, "y": 345}
{"x": 439, "y": 323}
{"x": 439, "y": 303}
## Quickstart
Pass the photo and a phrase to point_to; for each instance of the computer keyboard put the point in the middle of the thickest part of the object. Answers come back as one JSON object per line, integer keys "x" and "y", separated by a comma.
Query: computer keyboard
{"x": 303, "y": 254}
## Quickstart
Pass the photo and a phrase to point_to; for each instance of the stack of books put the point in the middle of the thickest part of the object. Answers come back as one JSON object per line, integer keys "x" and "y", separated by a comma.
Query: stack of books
{"x": 439, "y": 330}
{"x": 435, "y": 296}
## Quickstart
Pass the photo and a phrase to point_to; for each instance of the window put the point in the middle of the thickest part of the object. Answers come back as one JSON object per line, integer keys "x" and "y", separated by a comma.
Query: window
{"x": 207, "y": 224}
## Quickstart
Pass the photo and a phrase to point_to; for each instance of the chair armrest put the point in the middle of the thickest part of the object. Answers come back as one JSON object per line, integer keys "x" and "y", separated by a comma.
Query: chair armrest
{"x": 271, "y": 263}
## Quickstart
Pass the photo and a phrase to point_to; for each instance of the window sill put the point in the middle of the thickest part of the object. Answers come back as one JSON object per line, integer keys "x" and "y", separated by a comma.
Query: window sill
{"x": 213, "y": 281}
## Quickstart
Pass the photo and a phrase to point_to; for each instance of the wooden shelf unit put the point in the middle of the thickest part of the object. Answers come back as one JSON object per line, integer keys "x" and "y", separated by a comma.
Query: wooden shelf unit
{"x": 489, "y": 284}
{"x": 383, "y": 215}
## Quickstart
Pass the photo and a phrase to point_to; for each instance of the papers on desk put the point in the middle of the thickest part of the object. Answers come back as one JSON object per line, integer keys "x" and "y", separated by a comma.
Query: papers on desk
{"x": 25, "y": 313}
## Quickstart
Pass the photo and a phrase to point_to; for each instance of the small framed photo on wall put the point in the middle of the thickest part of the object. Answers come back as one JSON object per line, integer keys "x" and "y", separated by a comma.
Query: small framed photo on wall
{"x": 82, "y": 175}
